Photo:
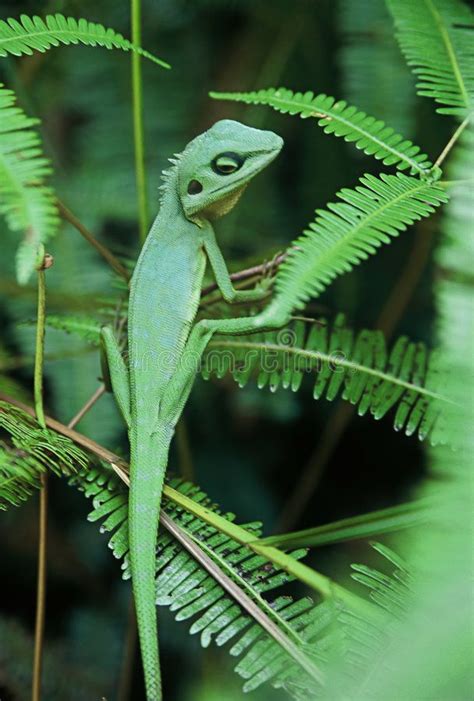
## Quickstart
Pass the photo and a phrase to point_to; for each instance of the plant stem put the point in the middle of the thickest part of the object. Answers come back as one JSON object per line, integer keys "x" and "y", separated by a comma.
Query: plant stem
{"x": 39, "y": 350}
{"x": 90, "y": 238}
{"x": 138, "y": 136}
{"x": 43, "y": 496}
{"x": 451, "y": 142}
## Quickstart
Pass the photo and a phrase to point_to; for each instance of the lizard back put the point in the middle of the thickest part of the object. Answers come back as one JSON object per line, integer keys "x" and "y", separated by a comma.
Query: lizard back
{"x": 164, "y": 298}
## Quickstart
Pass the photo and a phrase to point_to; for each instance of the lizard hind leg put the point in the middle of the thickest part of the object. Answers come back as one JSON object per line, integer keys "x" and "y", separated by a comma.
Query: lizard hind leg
{"x": 179, "y": 387}
{"x": 117, "y": 370}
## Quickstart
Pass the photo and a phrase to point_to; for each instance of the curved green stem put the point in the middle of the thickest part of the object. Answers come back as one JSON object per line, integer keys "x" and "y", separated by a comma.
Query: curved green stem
{"x": 138, "y": 136}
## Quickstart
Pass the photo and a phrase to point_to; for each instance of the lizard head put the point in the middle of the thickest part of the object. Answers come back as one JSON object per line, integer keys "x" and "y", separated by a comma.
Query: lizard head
{"x": 216, "y": 167}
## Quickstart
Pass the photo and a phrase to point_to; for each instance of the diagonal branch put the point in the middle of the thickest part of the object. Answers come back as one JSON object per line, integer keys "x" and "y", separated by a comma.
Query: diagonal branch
{"x": 114, "y": 262}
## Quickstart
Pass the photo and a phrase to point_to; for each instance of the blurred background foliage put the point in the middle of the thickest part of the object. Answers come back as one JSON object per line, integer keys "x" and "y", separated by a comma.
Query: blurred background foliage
{"x": 285, "y": 459}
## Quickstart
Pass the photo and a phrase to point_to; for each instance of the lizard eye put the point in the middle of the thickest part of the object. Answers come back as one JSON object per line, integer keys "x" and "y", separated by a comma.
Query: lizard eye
{"x": 227, "y": 163}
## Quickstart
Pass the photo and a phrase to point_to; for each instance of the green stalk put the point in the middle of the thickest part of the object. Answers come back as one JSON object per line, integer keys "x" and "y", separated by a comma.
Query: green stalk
{"x": 138, "y": 136}
{"x": 39, "y": 350}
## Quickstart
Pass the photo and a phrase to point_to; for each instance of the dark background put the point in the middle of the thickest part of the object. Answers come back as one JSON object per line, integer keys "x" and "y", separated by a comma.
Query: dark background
{"x": 249, "y": 449}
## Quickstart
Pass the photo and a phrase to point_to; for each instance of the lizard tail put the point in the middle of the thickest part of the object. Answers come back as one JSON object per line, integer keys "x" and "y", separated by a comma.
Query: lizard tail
{"x": 149, "y": 457}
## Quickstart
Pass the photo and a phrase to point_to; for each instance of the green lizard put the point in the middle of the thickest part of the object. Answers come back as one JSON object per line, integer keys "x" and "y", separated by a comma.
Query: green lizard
{"x": 165, "y": 345}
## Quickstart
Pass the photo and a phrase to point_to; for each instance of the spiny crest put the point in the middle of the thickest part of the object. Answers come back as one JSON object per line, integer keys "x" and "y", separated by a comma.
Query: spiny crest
{"x": 169, "y": 175}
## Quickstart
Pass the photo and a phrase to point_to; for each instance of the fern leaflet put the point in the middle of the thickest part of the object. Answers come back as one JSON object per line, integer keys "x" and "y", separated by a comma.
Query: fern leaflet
{"x": 369, "y": 134}
{"x": 37, "y": 34}
{"x": 356, "y": 366}
{"x": 25, "y": 200}
{"x": 192, "y": 593}
{"x": 436, "y": 39}
{"x": 348, "y": 232}
{"x": 33, "y": 451}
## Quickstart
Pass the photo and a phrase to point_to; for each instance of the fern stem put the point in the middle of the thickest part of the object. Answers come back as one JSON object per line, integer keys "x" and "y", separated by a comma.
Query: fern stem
{"x": 137, "y": 102}
{"x": 447, "y": 41}
{"x": 43, "y": 497}
{"x": 329, "y": 358}
{"x": 244, "y": 600}
{"x": 368, "y": 525}
{"x": 114, "y": 263}
{"x": 39, "y": 350}
{"x": 451, "y": 142}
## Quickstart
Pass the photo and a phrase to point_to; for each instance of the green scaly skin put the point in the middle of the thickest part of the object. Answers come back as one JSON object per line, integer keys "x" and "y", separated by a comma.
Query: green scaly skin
{"x": 164, "y": 344}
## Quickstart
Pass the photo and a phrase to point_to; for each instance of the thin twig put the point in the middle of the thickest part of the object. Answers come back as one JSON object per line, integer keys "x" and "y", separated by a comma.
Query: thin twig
{"x": 87, "y": 406}
{"x": 114, "y": 263}
{"x": 256, "y": 270}
{"x": 451, "y": 142}
{"x": 43, "y": 496}
{"x": 137, "y": 105}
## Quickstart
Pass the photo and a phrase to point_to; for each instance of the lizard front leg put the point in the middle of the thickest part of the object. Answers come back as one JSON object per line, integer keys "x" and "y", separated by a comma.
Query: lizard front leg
{"x": 221, "y": 274}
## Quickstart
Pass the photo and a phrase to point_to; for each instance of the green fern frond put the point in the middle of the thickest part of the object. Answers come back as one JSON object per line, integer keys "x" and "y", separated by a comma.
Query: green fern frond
{"x": 36, "y": 34}
{"x": 30, "y": 452}
{"x": 389, "y": 591}
{"x": 348, "y": 232}
{"x": 86, "y": 327}
{"x": 369, "y": 134}
{"x": 27, "y": 203}
{"x": 192, "y": 593}
{"x": 358, "y": 367}
{"x": 436, "y": 39}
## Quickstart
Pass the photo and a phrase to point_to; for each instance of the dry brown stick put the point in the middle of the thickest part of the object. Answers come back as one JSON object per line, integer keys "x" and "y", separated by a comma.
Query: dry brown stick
{"x": 114, "y": 263}
{"x": 389, "y": 317}
{"x": 88, "y": 405}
